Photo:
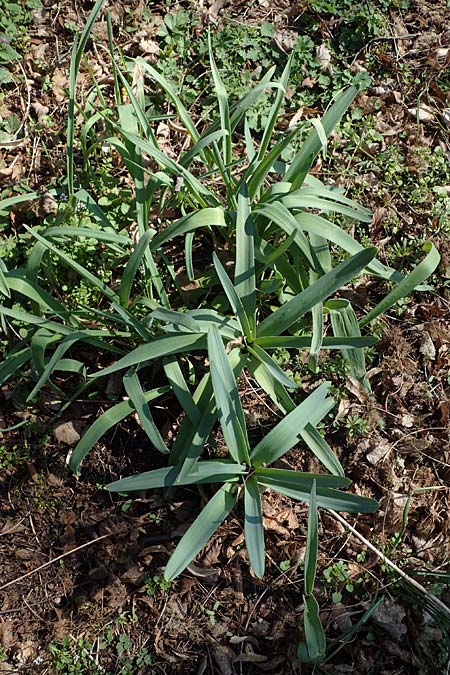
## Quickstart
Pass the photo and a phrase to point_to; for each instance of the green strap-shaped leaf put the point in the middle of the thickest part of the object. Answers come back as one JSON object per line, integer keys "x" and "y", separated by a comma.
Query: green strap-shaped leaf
{"x": 208, "y": 217}
{"x": 287, "y": 314}
{"x": 203, "y": 527}
{"x": 229, "y": 408}
{"x": 182, "y": 319}
{"x": 4, "y": 289}
{"x": 105, "y": 422}
{"x": 310, "y": 222}
{"x": 244, "y": 275}
{"x": 13, "y": 363}
{"x": 181, "y": 390}
{"x": 283, "y": 218}
{"x": 204, "y": 472}
{"x": 304, "y": 342}
{"x": 320, "y": 448}
{"x": 408, "y": 284}
{"x": 345, "y": 324}
{"x": 327, "y": 498}
{"x": 132, "y": 267}
{"x": 224, "y": 110}
{"x": 233, "y": 298}
{"x": 314, "y": 636}
{"x": 300, "y": 480}
{"x": 163, "y": 346}
{"x": 253, "y": 526}
{"x": 272, "y": 366}
{"x": 303, "y": 160}
{"x": 136, "y": 394}
{"x": 312, "y": 543}
{"x": 285, "y": 435}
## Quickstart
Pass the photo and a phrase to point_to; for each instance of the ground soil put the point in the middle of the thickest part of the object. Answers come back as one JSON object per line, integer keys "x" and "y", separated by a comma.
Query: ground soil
{"x": 218, "y": 618}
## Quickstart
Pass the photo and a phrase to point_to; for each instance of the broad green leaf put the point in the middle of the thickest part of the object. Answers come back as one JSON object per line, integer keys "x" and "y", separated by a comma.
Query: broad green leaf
{"x": 408, "y": 284}
{"x": 309, "y": 222}
{"x": 163, "y": 346}
{"x": 229, "y": 408}
{"x": 182, "y": 319}
{"x": 233, "y": 298}
{"x": 320, "y": 448}
{"x": 303, "y": 160}
{"x": 136, "y": 394}
{"x": 285, "y": 435}
{"x": 13, "y": 362}
{"x": 329, "y": 283}
{"x": 207, "y": 217}
{"x": 312, "y": 543}
{"x": 103, "y": 423}
{"x": 181, "y": 390}
{"x": 253, "y": 526}
{"x": 299, "y": 480}
{"x": 132, "y": 267}
{"x": 244, "y": 275}
{"x": 314, "y": 635}
{"x": 304, "y": 342}
{"x": 203, "y": 527}
{"x": 272, "y": 366}
{"x": 204, "y": 472}
{"x": 327, "y": 498}
{"x": 345, "y": 324}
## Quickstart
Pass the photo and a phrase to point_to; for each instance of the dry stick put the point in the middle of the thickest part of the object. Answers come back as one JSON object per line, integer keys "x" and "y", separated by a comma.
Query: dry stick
{"x": 53, "y": 560}
{"x": 432, "y": 598}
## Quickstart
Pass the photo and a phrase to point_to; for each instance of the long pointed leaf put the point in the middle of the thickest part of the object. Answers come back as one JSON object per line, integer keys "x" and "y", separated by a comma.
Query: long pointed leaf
{"x": 203, "y": 527}
{"x": 287, "y": 314}
{"x": 285, "y": 435}
{"x": 254, "y": 528}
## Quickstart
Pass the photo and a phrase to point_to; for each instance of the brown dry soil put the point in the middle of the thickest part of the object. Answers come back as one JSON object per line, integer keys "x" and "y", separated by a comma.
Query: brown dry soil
{"x": 217, "y": 618}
